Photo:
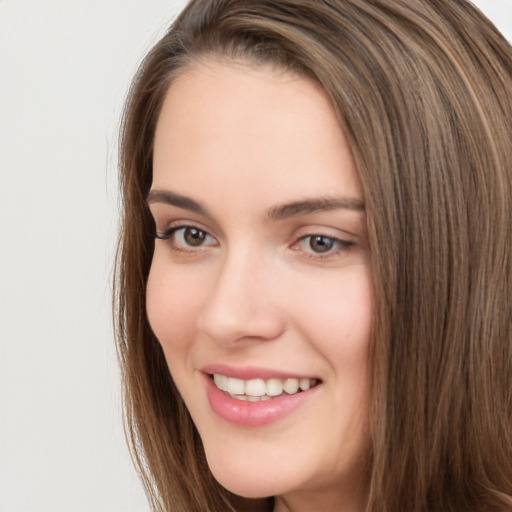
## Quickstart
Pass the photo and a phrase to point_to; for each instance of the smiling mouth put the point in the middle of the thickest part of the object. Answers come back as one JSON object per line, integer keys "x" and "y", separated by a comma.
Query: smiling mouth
{"x": 259, "y": 390}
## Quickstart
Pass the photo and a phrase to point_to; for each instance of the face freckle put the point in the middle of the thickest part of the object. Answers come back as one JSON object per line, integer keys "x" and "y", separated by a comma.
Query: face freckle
{"x": 260, "y": 278}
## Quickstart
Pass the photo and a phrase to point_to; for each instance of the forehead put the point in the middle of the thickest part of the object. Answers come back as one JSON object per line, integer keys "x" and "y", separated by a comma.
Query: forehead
{"x": 262, "y": 131}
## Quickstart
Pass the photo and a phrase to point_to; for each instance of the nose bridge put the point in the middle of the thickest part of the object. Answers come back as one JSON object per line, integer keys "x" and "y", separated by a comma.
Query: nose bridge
{"x": 241, "y": 303}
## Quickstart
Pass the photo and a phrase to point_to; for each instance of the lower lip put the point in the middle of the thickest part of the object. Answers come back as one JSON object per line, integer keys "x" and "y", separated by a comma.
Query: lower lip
{"x": 254, "y": 414}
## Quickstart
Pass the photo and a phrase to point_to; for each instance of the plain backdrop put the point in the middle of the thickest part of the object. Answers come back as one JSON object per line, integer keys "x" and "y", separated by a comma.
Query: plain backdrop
{"x": 65, "y": 67}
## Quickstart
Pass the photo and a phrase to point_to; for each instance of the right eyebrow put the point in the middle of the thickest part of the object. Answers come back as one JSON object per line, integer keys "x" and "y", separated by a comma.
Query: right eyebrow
{"x": 314, "y": 205}
{"x": 173, "y": 199}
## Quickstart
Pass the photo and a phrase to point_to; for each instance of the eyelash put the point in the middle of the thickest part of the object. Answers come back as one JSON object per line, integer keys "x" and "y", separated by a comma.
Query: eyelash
{"x": 338, "y": 245}
{"x": 170, "y": 233}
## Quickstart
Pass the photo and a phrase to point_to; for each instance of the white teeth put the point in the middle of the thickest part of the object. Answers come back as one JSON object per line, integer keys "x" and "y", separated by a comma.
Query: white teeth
{"x": 255, "y": 390}
{"x": 291, "y": 386}
{"x": 236, "y": 386}
{"x": 304, "y": 384}
{"x": 221, "y": 381}
{"x": 255, "y": 387}
{"x": 274, "y": 387}
{"x": 246, "y": 398}
{"x": 257, "y": 398}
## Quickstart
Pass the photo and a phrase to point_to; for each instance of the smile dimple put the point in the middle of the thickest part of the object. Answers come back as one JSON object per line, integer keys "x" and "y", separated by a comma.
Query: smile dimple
{"x": 256, "y": 390}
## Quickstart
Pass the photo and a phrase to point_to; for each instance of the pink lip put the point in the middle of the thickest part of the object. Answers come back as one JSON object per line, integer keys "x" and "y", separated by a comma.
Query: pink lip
{"x": 254, "y": 414}
{"x": 250, "y": 372}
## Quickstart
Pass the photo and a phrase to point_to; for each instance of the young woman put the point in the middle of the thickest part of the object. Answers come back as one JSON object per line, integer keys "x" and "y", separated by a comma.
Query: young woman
{"x": 314, "y": 280}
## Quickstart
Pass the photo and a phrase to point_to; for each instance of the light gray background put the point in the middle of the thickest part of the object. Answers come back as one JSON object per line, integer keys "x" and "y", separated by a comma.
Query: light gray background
{"x": 64, "y": 72}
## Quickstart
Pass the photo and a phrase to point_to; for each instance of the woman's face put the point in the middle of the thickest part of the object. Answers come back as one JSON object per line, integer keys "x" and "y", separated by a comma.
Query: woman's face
{"x": 260, "y": 290}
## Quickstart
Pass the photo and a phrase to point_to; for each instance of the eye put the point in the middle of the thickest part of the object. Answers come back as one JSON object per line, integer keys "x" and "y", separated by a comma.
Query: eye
{"x": 190, "y": 236}
{"x": 187, "y": 238}
{"x": 322, "y": 245}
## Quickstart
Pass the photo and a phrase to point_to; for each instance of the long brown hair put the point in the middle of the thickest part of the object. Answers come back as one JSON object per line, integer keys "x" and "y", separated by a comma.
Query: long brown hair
{"x": 423, "y": 90}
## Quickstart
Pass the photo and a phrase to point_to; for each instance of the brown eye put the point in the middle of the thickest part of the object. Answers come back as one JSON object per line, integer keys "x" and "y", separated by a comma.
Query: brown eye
{"x": 193, "y": 236}
{"x": 187, "y": 238}
{"x": 320, "y": 243}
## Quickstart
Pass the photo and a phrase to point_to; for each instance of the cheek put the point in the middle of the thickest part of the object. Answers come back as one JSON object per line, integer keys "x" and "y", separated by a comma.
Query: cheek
{"x": 338, "y": 316}
{"x": 172, "y": 306}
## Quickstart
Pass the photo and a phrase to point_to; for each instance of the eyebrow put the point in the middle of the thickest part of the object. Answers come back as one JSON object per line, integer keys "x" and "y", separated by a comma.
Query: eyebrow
{"x": 315, "y": 205}
{"x": 173, "y": 199}
{"x": 279, "y": 212}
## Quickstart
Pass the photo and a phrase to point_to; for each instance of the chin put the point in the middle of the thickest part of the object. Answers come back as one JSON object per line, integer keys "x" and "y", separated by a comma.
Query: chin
{"x": 244, "y": 479}
{"x": 249, "y": 485}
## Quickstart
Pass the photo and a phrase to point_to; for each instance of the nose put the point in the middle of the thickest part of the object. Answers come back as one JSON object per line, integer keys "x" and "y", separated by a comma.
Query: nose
{"x": 243, "y": 304}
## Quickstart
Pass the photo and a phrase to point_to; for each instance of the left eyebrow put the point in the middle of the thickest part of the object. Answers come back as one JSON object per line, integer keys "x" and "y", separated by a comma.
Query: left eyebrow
{"x": 173, "y": 199}
{"x": 308, "y": 206}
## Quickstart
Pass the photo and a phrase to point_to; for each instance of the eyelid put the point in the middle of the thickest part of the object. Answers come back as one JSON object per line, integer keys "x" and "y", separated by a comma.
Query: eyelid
{"x": 340, "y": 246}
{"x": 167, "y": 217}
{"x": 171, "y": 226}
{"x": 168, "y": 235}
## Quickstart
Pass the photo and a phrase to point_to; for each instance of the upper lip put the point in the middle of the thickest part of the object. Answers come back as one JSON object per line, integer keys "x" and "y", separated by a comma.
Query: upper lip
{"x": 251, "y": 372}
